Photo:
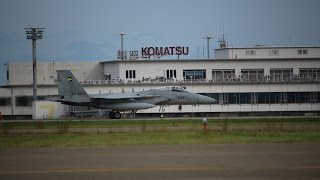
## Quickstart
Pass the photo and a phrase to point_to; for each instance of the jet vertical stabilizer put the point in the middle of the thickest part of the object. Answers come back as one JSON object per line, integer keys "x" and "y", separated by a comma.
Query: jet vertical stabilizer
{"x": 69, "y": 88}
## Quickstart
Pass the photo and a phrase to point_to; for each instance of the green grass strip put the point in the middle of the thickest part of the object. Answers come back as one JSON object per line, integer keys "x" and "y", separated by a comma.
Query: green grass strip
{"x": 156, "y": 123}
{"x": 148, "y": 138}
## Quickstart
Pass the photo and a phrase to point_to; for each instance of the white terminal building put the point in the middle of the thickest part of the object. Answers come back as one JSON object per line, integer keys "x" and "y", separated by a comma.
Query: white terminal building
{"x": 259, "y": 80}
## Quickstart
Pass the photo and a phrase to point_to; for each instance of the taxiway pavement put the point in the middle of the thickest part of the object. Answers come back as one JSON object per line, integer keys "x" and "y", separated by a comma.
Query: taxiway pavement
{"x": 220, "y": 161}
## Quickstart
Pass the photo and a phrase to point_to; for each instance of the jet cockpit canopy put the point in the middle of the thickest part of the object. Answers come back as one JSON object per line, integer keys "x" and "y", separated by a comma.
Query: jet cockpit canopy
{"x": 176, "y": 88}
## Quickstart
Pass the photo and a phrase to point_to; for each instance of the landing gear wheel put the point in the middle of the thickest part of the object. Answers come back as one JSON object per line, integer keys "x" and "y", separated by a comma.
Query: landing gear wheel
{"x": 117, "y": 115}
{"x": 111, "y": 115}
{"x": 114, "y": 115}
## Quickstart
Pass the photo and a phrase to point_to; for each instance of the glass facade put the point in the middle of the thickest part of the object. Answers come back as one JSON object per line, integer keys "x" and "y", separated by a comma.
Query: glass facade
{"x": 265, "y": 97}
{"x": 312, "y": 74}
{"x": 194, "y": 74}
{"x": 26, "y": 101}
{"x": 5, "y": 101}
{"x": 281, "y": 75}
{"x": 223, "y": 75}
{"x": 252, "y": 75}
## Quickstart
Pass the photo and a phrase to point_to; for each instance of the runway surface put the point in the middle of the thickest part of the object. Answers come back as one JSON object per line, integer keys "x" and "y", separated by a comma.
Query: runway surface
{"x": 222, "y": 161}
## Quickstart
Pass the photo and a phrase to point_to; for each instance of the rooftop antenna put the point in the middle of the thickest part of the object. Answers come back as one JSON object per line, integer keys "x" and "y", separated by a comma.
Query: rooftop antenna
{"x": 222, "y": 41}
{"x": 290, "y": 40}
{"x": 202, "y": 51}
{"x": 197, "y": 52}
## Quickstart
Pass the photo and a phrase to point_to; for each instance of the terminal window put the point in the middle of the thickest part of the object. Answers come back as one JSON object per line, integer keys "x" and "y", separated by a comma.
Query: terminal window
{"x": 310, "y": 74}
{"x": 26, "y": 101}
{"x": 194, "y": 74}
{"x": 171, "y": 74}
{"x": 130, "y": 74}
{"x": 5, "y": 101}
{"x": 250, "y": 52}
{"x": 281, "y": 74}
{"x": 302, "y": 51}
{"x": 222, "y": 75}
{"x": 252, "y": 75}
{"x": 273, "y": 52}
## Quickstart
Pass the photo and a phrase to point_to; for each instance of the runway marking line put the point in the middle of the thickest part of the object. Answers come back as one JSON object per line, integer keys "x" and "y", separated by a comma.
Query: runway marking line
{"x": 147, "y": 169}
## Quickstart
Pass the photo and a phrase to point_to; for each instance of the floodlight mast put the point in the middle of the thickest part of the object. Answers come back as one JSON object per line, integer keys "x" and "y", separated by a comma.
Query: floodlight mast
{"x": 34, "y": 34}
{"x": 208, "y": 38}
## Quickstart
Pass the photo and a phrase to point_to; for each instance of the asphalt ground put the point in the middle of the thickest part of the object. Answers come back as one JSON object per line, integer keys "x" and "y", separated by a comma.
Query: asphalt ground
{"x": 220, "y": 161}
{"x": 289, "y": 127}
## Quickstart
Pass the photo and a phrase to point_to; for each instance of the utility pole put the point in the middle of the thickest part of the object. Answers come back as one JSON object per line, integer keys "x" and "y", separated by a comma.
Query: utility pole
{"x": 122, "y": 51}
{"x": 208, "y": 49}
{"x": 34, "y": 34}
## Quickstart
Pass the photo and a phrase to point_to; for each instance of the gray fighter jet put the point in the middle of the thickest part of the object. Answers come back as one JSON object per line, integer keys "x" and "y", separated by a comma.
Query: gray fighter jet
{"x": 72, "y": 93}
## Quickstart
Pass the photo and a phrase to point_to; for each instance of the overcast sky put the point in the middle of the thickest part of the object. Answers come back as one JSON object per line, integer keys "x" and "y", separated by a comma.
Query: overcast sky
{"x": 89, "y": 29}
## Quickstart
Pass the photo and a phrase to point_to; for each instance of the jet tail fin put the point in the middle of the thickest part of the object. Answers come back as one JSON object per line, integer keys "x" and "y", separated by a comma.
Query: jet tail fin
{"x": 69, "y": 88}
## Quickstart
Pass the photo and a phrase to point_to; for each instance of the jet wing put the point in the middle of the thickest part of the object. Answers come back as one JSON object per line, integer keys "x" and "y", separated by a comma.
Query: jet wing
{"x": 123, "y": 96}
{"x": 63, "y": 101}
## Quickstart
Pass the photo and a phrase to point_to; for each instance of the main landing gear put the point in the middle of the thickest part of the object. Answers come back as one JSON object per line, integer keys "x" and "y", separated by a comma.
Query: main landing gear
{"x": 162, "y": 109}
{"x": 114, "y": 115}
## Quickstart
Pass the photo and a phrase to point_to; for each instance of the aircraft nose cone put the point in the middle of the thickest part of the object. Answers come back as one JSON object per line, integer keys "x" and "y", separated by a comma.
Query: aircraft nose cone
{"x": 206, "y": 100}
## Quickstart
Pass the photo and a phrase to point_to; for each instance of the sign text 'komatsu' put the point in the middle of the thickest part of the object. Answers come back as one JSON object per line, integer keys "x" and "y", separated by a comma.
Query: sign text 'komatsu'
{"x": 164, "y": 51}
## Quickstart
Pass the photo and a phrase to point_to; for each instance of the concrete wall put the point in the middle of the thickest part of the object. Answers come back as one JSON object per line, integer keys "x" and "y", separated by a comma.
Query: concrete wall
{"x": 113, "y": 69}
{"x": 21, "y": 73}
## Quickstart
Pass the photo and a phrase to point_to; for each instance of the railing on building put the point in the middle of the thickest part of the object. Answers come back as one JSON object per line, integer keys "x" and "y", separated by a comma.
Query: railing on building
{"x": 226, "y": 80}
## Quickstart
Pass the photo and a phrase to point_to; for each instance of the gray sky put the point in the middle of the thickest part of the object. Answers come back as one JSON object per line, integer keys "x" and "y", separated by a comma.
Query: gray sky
{"x": 88, "y": 29}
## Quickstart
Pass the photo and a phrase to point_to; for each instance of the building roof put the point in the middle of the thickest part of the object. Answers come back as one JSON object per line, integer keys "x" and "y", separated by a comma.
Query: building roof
{"x": 204, "y": 60}
{"x": 270, "y": 47}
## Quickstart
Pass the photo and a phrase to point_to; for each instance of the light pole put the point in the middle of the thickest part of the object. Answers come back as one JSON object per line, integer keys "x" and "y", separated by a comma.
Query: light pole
{"x": 208, "y": 49}
{"x": 122, "y": 52}
{"x": 7, "y": 72}
{"x": 34, "y": 34}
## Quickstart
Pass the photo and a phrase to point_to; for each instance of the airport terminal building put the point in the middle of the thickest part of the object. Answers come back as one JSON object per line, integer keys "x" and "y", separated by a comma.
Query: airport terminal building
{"x": 260, "y": 80}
